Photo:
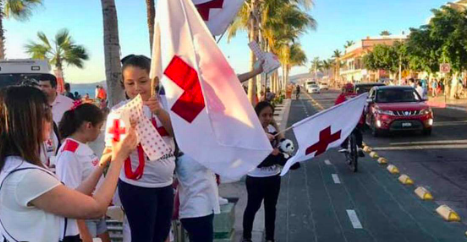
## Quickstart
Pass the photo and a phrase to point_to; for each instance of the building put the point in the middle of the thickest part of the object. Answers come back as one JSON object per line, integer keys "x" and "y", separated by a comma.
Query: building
{"x": 353, "y": 69}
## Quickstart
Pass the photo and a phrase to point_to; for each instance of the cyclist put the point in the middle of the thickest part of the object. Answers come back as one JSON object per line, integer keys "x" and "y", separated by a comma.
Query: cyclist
{"x": 348, "y": 91}
{"x": 297, "y": 91}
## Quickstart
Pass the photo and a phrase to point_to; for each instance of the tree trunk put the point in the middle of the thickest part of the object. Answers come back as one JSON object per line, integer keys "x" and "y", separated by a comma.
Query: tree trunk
{"x": 253, "y": 34}
{"x": 2, "y": 33}
{"x": 151, "y": 12}
{"x": 113, "y": 69}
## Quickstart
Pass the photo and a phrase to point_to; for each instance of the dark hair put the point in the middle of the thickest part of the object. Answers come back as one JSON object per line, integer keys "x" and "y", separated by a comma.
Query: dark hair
{"x": 49, "y": 78}
{"x": 67, "y": 86}
{"x": 74, "y": 118}
{"x": 23, "y": 110}
{"x": 262, "y": 105}
{"x": 140, "y": 61}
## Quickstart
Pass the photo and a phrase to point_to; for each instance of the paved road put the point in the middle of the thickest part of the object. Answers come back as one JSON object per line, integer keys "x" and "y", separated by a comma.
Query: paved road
{"x": 325, "y": 201}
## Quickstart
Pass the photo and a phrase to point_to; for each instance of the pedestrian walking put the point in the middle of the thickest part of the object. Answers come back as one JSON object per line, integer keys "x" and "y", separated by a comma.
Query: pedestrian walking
{"x": 76, "y": 161}
{"x": 32, "y": 199}
{"x": 434, "y": 87}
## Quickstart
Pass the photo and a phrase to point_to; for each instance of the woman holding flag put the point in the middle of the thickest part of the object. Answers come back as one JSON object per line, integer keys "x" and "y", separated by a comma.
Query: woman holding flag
{"x": 145, "y": 187}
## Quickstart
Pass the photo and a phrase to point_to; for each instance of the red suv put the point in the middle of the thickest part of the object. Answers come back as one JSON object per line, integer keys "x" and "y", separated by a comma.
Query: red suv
{"x": 395, "y": 108}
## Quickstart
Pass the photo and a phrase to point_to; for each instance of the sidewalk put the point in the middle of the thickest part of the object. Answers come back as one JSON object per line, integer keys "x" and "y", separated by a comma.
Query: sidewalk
{"x": 238, "y": 189}
{"x": 443, "y": 102}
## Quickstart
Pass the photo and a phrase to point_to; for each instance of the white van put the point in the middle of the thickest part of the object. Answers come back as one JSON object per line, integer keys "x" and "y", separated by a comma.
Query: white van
{"x": 14, "y": 72}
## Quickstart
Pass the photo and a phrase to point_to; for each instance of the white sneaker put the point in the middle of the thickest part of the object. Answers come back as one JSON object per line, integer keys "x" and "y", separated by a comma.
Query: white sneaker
{"x": 343, "y": 151}
{"x": 223, "y": 201}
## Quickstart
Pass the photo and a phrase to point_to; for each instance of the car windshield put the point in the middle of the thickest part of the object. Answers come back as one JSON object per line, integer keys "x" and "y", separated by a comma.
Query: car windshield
{"x": 397, "y": 96}
{"x": 314, "y": 85}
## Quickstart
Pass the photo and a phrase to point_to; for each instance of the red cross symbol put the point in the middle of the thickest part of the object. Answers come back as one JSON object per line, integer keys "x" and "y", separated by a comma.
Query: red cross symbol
{"x": 204, "y": 8}
{"x": 191, "y": 102}
{"x": 116, "y": 130}
{"x": 325, "y": 138}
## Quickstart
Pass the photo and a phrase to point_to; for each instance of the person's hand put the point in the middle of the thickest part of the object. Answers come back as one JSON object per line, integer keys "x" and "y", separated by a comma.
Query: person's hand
{"x": 154, "y": 105}
{"x": 121, "y": 150}
{"x": 106, "y": 157}
{"x": 270, "y": 136}
{"x": 260, "y": 69}
{"x": 275, "y": 151}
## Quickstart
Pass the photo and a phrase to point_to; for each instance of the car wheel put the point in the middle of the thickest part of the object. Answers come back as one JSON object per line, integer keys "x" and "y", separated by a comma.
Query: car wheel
{"x": 427, "y": 131}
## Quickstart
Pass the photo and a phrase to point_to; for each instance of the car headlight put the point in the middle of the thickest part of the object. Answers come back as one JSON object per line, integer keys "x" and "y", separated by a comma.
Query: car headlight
{"x": 426, "y": 111}
{"x": 386, "y": 112}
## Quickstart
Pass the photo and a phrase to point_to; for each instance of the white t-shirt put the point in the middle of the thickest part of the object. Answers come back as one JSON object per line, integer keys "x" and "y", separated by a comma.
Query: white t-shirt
{"x": 268, "y": 170}
{"x": 75, "y": 162}
{"x": 22, "y": 221}
{"x": 60, "y": 106}
{"x": 157, "y": 173}
{"x": 198, "y": 191}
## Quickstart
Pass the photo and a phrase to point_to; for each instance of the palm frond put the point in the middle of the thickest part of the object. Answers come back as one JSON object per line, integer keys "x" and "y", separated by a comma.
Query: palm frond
{"x": 20, "y": 9}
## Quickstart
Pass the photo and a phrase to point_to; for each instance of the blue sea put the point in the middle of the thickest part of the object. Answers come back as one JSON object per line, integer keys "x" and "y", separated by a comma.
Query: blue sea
{"x": 83, "y": 90}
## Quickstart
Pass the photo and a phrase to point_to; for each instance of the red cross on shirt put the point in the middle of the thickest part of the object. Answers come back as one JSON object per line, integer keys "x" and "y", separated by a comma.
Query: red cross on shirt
{"x": 325, "y": 138}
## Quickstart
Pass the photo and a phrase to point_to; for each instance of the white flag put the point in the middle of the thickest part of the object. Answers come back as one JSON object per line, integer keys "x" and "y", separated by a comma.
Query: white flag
{"x": 218, "y": 14}
{"x": 213, "y": 121}
{"x": 326, "y": 130}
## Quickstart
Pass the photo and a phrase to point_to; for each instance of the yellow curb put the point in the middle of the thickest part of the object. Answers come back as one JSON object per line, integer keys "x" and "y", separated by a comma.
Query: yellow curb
{"x": 423, "y": 193}
{"x": 404, "y": 179}
{"x": 393, "y": 169}
{"x": 367, "y": 149}
{"x": 448, "y": 214}
{"x": 374, "y": 154}
{"x": 382, "y": 161}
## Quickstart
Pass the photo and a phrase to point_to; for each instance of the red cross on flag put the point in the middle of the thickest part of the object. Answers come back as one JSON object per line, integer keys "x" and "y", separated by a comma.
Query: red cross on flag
{"x": 325, "y": 130}
{"x": 218, "y": 14}
{"x": 213, "y": 121}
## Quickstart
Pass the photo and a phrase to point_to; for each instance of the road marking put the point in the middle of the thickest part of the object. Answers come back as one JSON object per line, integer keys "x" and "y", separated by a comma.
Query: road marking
{"x": 433, "y": 142}
{"x": 421, "y": 147}
{"x": 336, "y": 179}
{"x": 354, "y": 219}
{"x": 327, "y": 162}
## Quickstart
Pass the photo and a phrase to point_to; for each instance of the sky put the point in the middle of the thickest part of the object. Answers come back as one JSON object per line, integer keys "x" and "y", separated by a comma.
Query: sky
{"x": 338, "y": 21}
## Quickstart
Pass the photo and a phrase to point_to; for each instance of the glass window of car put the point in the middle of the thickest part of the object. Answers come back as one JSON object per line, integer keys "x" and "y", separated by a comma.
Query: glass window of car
{"x": 314, "y": 85}
{"x": 397, "y": 96}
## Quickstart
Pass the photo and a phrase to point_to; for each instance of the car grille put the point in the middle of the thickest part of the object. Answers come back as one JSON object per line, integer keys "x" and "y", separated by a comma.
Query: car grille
{"x": 407, "y": 113}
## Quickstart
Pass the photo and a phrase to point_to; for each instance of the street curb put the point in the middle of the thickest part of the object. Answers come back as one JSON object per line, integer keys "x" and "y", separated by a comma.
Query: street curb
{"x": 285, "y": 114}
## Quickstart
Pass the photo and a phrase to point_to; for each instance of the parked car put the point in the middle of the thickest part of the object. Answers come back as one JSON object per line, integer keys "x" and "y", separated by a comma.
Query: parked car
{"x": 397, "y": 108}
{"x": 323, "y": 86}
{"x": 313, "y": 88}
{"x": 15, "y": 72}
{"x": 365, "y": 87}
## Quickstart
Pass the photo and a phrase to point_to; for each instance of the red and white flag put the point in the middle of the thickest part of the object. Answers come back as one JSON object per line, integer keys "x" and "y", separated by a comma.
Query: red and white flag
{"x": 325, "y": 130}
{"x": 218, "y": 14}
{"x": 213, "y": 121}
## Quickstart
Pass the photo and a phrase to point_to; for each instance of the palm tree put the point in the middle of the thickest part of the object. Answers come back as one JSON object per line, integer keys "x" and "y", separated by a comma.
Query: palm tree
{"x": 385, "y": 33}
{"x": 113, "y": 68}
{"x": 349, "y": 43}
{"x": 326, "y": 66}
{"x": 316, "y": 65}
{"x": 151, "y": 12}
{"x": 337, "y": 64}
{"x": 17, "y": 9}
{"x": 62, "y": 51}
{"x": 255, "y": 12}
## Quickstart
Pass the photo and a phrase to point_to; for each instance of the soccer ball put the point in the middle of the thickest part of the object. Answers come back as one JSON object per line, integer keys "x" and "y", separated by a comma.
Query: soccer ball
{"x": 286, "y": 146}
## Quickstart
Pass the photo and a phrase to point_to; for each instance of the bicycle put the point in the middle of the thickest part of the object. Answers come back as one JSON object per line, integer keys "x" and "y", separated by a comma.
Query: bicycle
{"x": 352, "y": 155}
